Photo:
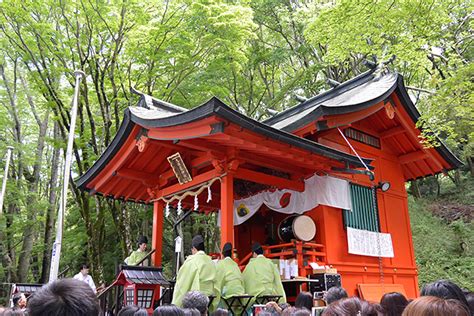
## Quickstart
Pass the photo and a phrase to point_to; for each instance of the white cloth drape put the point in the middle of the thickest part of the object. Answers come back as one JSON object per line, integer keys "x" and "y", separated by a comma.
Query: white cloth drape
{"x": 323, "y": 190}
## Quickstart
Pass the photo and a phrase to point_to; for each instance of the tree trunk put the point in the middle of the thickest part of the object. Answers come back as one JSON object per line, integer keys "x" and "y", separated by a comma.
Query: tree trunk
{"x": 50, "y": 213}
{"x": 438, "y": 186}
{"x": 415, "y": 189}
{"x": 29, "y": 233}
{"x": 457, "y": 178}
{"x": 470, "y": 162}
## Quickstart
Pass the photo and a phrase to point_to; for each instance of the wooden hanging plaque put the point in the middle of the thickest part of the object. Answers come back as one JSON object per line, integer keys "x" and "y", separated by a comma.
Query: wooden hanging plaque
{"x": 179, "y": 168}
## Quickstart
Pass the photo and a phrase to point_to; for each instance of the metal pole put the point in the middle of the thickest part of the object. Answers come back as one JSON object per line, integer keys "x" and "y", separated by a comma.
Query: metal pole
{"x": 5, "y": 177}
{"x": 56, "y": 253}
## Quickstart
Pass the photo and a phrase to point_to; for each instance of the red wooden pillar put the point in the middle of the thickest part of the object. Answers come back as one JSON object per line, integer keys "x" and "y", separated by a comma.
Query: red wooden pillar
{"x": 227, "y": 209}
{"x": 157, "y": 239}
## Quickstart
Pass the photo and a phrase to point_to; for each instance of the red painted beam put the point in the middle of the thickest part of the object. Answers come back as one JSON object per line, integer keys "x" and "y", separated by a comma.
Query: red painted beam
{"x": 105, "y": 175}
{"x": 412, "y": 156}
{"x": 265, "y": 147}
{"x": 413, "y": 132}
{"x": 334, "y": 121}
{"x": 197, "y": 129}
{"x": 392, "y": 132}
{"x": 197, "y": 163}
{"x": 263, "y": 178}
{"x": 144, "y": 177}
{"x": 157, "y": 238}
{"x": 197, "y": 180}
{"x": 227, "y": 209}
{"x": 259, "y": 161}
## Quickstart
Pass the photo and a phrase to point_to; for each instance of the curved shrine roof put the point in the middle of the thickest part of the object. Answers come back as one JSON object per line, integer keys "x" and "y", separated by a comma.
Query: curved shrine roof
{"x": 359, "y": 93}
{"x": 225, "y": 128}
{"x": 159, "y": 118}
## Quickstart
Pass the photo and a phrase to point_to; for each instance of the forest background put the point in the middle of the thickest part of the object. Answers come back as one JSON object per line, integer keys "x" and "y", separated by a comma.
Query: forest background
{"x": 252, "y": 54}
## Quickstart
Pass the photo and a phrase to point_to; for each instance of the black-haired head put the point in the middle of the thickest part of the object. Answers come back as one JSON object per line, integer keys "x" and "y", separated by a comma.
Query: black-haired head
{"x": 83, "y": 266}
{"x": 257, "y": 248}
{"x": 142, "y": 240}
{"x": 198, "y": 242}
{"x": 227, "y": 250}
{"x": 445, "y": 289}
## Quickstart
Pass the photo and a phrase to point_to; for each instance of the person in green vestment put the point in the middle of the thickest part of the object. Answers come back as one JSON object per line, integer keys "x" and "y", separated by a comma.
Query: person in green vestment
{"x": 137, "y": 255}
{"x": 198, "y": 273}
{"x": 261, "y": 276}
{"x": 229, "y": 278}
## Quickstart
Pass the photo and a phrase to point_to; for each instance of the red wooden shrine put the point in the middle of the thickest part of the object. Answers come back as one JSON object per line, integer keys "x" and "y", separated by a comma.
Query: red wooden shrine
{"x": 373, "y": 111}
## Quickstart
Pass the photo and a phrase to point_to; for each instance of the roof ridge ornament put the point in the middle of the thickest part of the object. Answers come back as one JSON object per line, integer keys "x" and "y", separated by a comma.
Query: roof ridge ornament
{"x": 300, "y": 98}
{"x": 370, "y": 64}
{"x": 382, "y": 68}
{"x": 151, "y": 102}
{"x": 272, "y": 112}
{"x": 332, "y": 83}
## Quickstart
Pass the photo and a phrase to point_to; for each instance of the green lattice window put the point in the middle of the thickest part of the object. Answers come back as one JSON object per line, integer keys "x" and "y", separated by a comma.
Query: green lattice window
{"x": 363, "y": 214}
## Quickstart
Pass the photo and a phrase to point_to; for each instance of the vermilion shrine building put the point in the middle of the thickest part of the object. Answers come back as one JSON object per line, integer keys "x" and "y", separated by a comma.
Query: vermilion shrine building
{"x": 240, "y": 157}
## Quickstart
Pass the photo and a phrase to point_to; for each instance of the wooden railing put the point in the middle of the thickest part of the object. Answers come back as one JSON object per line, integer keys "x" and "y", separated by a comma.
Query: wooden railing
{"x": 303, "y": 252}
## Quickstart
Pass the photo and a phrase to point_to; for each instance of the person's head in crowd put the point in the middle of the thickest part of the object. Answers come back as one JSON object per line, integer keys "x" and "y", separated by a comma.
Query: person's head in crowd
{"x": 304, "y": 300}
{"x": 257, "y": 249}
{"x": 12, "y": 312}
{"x": 227, "y": 250}
{"x": 393, "y": 303}
{"x": 470, "y": 300}
{"x": 350, "y": 306}
{"x": 288, "y": 311}
{"x": 168, "y": 310}
{"x": 19, "y": 300}
{"x": 84, "y": 269}
{"x": 444, "y": 289}
{"x": 379, "y": 309}
{"x": 284, "y": 306}
{"x": 273, "y": 308}
{"x": 435, "y": 306}
{"x": 64, "y": 297}
{"x": 301, "y": 312}
{"x": 191, "y": 312}
{"x": 197, "y": 300}
{"x": 197, "y": 244}
{"x": 334, "y": 293}
{"x": 132, "y": 310}
{"x": 142, "y": 243}
{"x": 220, "y": 312}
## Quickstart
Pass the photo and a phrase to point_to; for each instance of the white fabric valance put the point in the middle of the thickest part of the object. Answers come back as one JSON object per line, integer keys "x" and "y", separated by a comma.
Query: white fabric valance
{"x": 318, "y": 190}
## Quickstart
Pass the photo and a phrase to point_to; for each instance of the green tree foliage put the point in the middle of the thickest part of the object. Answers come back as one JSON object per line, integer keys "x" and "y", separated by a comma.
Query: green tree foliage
{"x": 432, "y": 42}
{"x": 254, "y": 55}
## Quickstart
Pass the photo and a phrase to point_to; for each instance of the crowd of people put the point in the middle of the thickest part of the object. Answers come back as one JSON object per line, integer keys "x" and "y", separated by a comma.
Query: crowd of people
{"x": 200, "y": 279}
{"x": 76, "y": 298}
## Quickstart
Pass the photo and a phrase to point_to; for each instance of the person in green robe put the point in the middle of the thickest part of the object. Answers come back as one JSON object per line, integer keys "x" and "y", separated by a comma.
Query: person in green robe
{"x": 137, "y": 255}
{"x": 198, "y": 273}
{"x": 261, "y": 276}
{"x": 229, "y": 278}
